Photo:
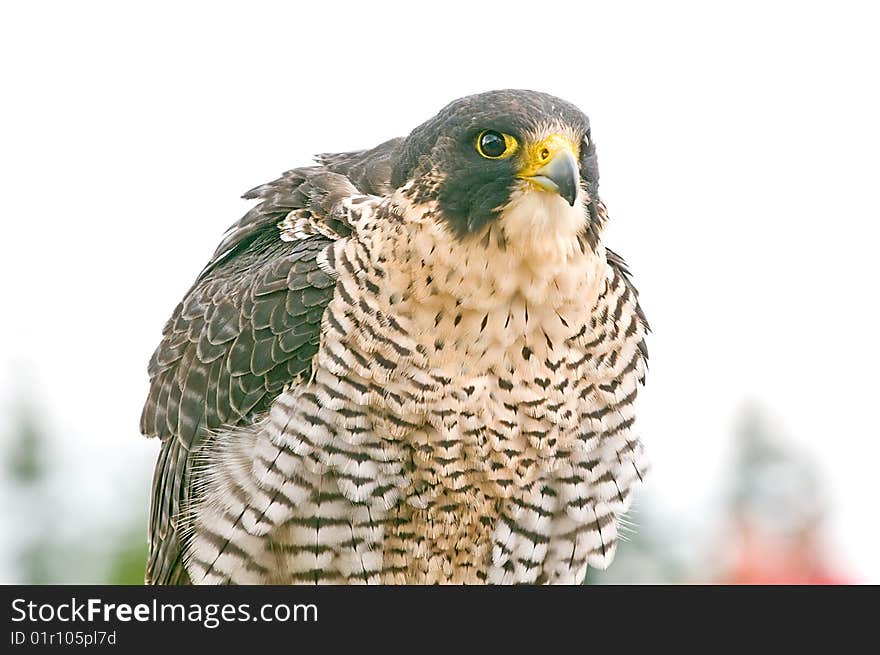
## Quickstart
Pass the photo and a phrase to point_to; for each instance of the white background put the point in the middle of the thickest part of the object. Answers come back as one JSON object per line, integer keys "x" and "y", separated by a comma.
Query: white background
{"x": 739, "y": 155}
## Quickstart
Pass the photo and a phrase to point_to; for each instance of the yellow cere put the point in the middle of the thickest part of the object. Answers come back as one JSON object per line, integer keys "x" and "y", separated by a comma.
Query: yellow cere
{"x": 539, "y": 154}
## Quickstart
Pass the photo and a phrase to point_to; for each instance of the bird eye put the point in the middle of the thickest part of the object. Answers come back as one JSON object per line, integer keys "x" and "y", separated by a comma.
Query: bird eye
{"x": 495, "y": 145}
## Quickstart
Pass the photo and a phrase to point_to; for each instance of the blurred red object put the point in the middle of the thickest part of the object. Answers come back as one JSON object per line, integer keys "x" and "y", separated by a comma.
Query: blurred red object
{"x": 757, "y": 557}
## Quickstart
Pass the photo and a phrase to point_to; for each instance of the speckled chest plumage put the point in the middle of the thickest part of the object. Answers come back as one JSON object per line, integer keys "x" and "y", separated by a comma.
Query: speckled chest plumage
{"x": 469, "y": 417}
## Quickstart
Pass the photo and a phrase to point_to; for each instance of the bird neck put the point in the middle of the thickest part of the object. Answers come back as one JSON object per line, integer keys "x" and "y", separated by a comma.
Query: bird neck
{"x": 520, "y": 258}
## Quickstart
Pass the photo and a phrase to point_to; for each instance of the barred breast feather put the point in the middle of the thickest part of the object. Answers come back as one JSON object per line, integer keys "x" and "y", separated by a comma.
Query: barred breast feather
{"x": 350, "y": 393}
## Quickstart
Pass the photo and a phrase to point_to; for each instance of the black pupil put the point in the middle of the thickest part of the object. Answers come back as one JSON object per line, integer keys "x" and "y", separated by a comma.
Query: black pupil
{"x": 492, "y": 144}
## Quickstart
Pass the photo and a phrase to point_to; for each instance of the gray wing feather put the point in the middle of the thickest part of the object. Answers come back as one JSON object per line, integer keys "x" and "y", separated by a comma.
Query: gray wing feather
{"x": 369, "y": 170}
{"x": 196, "y": 390}
{"x": 317, "y": 188}
{"x": 249, "y": 325}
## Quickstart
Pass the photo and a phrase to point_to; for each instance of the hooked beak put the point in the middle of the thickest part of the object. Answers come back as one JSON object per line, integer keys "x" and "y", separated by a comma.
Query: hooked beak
{"x": 553, "y": 166}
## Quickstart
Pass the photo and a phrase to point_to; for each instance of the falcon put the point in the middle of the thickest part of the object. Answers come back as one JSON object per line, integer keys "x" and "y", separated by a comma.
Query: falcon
{"x": 413, "y": 364}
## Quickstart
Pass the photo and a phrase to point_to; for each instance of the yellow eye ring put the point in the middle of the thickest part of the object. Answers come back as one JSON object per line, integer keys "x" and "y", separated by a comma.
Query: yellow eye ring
{"x": 496, "y": 145}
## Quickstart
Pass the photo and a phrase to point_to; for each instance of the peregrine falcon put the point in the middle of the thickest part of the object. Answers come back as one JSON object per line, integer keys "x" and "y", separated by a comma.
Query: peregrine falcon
{"x": 411, "y": 364}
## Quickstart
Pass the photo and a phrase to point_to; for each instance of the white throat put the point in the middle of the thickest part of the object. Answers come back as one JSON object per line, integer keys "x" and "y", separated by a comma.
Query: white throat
{"x": 534, "y": 252}
{"x": 541, "y": 228}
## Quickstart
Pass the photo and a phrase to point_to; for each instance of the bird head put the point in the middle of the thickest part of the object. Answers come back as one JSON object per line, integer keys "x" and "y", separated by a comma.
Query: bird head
{"x": 508, "y": 156}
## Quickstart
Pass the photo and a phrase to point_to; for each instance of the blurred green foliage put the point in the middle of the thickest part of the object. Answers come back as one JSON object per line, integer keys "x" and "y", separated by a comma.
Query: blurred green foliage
{"x": 50, "y": 548}
{"x": 126, "y": 562}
